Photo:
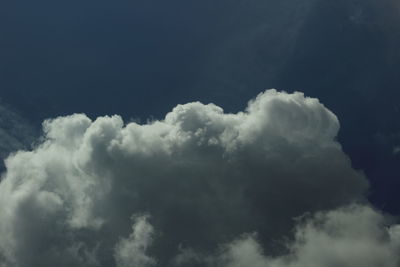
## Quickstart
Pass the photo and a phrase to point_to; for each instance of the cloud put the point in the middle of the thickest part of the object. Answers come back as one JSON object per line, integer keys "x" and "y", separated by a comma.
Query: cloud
{"x": 205, "y": 177}
{"x": 131, "y": 252}
{"x": 351, "y": 236}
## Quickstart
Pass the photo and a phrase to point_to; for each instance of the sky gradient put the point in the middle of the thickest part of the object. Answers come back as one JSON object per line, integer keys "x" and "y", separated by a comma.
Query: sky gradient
{"x": 150, "y": 62}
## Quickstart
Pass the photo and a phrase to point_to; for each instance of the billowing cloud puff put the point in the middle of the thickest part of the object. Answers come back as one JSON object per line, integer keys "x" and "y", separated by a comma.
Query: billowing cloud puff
{"x": 353, "y": 236}
{"x": 131, "y": 252}
{"x": 205, "y": 177}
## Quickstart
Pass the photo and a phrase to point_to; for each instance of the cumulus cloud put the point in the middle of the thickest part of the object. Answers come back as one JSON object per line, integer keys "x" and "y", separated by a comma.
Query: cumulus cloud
{"x": 205, "y": 177}
{"x": 354, "y": 236}
{"x": 131, "y": 251}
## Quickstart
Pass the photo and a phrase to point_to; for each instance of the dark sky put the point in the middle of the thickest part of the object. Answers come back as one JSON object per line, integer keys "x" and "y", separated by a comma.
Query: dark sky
{"x": 141, "y": 58}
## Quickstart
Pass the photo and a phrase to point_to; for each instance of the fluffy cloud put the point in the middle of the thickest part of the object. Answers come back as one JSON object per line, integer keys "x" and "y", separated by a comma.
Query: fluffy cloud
{"x": 205, "y": 177}
{"x": 131, "y": 252}
{"x": 353, "y": 236}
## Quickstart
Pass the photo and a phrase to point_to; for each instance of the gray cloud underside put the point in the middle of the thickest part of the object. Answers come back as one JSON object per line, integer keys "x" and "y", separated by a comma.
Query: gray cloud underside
{"x": 353, "y": 236}
{"x": 205, "y": 178}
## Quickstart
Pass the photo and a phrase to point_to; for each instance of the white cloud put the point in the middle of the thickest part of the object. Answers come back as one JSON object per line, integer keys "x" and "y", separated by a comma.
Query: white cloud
{"x": 205, "y": 177}
{"x": 353, "y": 236}
{"x": 131, "y": 251}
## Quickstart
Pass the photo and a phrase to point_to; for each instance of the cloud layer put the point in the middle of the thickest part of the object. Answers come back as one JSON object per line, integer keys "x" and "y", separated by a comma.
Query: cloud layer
{"x": 204, "y": 176}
